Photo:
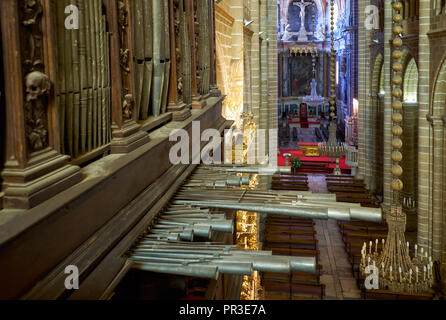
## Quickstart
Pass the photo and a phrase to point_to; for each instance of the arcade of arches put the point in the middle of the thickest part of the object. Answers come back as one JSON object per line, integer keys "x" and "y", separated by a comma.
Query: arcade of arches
{"x": 351, "y": 98}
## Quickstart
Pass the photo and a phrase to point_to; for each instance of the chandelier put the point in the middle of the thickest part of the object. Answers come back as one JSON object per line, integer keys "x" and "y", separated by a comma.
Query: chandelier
{"x": 314, "y": 99}
{"x": 332, "y": 149}
{"x": 393, "y": 267}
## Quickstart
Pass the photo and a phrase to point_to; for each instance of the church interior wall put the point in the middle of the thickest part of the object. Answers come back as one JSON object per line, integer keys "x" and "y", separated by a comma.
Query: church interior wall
{"x": 84, "y": 152}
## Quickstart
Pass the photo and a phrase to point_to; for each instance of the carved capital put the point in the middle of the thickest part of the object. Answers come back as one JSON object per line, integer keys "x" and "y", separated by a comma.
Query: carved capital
{"x": 435, "y": 121}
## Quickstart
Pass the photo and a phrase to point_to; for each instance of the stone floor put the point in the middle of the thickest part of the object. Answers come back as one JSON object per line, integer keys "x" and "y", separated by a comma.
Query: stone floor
{"x": 336, "y": 275}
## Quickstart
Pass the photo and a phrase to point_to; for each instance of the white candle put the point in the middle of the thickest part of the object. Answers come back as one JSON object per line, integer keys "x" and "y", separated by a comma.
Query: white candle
{"x": 416, "y": 250}
{"x": 424, "y": 273}
{"x": 410, "y": 275}
{"x": 376, "y": 245}
{"x": 391, "y": 273}
{"x": 370, "y": 249}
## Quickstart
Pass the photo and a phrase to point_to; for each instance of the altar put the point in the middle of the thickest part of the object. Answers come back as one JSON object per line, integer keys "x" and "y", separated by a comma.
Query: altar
{"x": 309, "y": 149}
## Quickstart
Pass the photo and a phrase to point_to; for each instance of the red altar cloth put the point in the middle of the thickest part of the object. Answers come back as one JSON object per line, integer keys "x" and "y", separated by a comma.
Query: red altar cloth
{"x": 299, "y": 153}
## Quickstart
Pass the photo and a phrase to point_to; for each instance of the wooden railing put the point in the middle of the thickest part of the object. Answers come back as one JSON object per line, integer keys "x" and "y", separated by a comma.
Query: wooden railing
{"x": 351, "y": 158}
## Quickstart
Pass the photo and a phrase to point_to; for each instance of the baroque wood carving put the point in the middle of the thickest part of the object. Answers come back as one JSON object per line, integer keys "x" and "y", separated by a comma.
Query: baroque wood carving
{"x": 124, "y": 60}
{"x": 197, "y": 47}
{"x": 177, "y": 13}
{"x": 36, "y": 83}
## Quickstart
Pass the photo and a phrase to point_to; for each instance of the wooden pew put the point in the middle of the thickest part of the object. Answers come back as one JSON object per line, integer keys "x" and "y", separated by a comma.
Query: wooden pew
{"x": 291, "y": 236}
{"x": 295, "y": 289}
{"x": 393, "y": 295}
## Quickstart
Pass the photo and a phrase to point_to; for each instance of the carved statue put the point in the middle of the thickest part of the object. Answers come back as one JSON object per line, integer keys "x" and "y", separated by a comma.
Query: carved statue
{"x": 32, "y": 8}
{"x": 127, "y": 106}
{"x": 37, "y": 86}
{"x": 30, "y": 18}
{"x": 123, "y": 23}
{"x": 178, "y": 44}
{"x": 286, "y": 34}
{"x": 124, "y": 59}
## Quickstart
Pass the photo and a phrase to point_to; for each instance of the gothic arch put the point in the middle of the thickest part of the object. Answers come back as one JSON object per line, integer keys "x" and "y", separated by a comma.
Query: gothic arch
{"x": 438, "y": 107}
{"x": 410, "y": 84}
{"x": 410, "y": 76}
{"x": 377, "y": 74}
{"x": 410, "y": 127}
{"x": 377, "y": 127}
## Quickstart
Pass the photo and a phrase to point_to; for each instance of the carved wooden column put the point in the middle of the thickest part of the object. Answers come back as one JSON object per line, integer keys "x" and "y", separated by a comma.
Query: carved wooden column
{"x": 193, "y": 14}
{"x": 177, "y": 105}
{"x": 127, "y": 134}
{"x": 215, "y": 92}
{"x": 34, "y": 168}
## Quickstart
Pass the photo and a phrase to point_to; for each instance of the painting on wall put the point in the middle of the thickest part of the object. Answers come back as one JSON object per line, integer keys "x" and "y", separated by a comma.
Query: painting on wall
{"x": 301, "y": 75}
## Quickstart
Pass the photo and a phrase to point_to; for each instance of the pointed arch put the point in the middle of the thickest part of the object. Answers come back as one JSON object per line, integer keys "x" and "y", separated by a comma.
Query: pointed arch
{"x": 378, "y": 75}
{"x": 439, "y": 92}
{"x": 377, "y": 126}
{"x": 410, "y": 76}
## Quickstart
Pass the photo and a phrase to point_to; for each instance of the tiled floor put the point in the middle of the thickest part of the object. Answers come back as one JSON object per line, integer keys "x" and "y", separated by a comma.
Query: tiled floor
{"x": 317, "y": 183}
{"x": 337, "y": 275}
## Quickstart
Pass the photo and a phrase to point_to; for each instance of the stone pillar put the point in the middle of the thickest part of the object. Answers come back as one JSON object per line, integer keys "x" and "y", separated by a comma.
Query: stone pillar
{"x": 443, "y": 257}
{"x": 255, "y": 67}
{"x": 126, "y": 133}
{"x": 437, "y": 186}
{"x": 264, "y": 116}
{"x": 34, "y": 170}
{"x": 272, "y": 75}
{"x": 363, "y": 90}
{"x": 424, "y": 165}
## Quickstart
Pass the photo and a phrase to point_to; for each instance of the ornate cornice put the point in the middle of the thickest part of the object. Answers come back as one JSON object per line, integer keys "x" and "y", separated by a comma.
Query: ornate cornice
{"x": 438, "y": 33}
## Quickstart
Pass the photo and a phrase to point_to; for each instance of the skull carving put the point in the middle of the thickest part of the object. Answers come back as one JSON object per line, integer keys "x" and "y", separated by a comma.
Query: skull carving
{"x": 37, "y": 84}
